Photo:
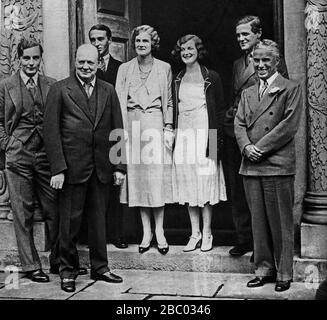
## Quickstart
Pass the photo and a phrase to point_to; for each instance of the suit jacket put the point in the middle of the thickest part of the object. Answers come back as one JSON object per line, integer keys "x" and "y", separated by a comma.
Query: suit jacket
{"x": 111, "y": 73}
{"x": 244, "y": 76}
{"x": 75, "y": 144}
{"x": 164, "y": 76}
{"x": 11, "y": 104}
{"x": 214, "y": 100}
{"x": 269, "y": 124}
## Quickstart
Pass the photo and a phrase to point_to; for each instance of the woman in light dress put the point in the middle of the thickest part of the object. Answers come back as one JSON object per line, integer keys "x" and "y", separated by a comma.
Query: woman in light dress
{"x": 198, "y": 179}
{"x": 144, "y": 90}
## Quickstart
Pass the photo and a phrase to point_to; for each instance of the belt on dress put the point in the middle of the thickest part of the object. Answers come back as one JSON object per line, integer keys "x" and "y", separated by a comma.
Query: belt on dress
{"x": 187, "y": 112}
{"x": 140, "y": 109}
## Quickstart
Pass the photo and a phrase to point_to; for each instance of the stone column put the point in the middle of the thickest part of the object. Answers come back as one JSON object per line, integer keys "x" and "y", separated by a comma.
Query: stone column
{"x": 295, "y": 56}
{"x": 314, "y": 228}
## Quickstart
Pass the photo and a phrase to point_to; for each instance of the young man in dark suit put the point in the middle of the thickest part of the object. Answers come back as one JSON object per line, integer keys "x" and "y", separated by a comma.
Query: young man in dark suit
{"x": 22, "y": 104}
{"x": 100, "y": 36}
{"x": 266, "y": 122}
{"x": 81, "y": 112}
{"x": 248, "y": 33}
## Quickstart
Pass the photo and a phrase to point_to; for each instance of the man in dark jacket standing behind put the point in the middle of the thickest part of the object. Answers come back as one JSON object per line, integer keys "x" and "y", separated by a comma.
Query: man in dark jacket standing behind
{"x": 81, "y": 112}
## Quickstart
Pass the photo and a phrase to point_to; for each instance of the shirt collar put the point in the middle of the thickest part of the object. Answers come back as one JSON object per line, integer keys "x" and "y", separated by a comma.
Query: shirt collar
{"x": 106, "y": 58}
{"x": 25, "y": 77}
{"x": 269, "y": 80}
{"x": 92, "y": 83}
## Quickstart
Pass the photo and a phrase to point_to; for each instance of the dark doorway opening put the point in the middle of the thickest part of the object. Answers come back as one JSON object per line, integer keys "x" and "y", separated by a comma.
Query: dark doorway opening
{"x": 213, "y": 21}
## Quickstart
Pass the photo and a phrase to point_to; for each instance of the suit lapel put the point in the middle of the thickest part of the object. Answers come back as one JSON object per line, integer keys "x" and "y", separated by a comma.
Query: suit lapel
{"x": 15, "y": 92}
{"x": 44, "y": 87}
{"x": 245, "y": 72}
{"x": 268, "y": 98}
{"x": 110, "y": 68}
{"x": 252, "y": 95}
{"x": 102, "y": 97}
{"x": 79, "y": 98}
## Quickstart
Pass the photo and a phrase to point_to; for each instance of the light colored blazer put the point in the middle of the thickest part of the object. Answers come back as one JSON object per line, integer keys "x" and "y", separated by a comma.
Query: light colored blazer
{"x": 244, "y": 76}
{"x": 164, "y": 76}
{"x": 269, "y": 124}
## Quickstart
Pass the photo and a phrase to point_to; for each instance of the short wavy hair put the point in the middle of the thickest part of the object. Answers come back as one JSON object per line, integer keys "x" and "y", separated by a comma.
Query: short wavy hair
{"x": 269, "y": 45}
{"x": 255, "y": 23}
{"x": 25, "y": 43}
{"x": 155, "y": 39}
{"x": 101, "y": 27}
{"x": 202, "y": 51}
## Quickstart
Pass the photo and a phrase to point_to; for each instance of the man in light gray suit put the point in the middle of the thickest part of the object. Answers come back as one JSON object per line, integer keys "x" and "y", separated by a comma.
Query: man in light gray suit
{"x": 265, "y": 125}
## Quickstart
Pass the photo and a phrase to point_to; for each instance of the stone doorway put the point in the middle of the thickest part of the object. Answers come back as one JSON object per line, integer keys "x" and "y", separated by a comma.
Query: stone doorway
{"x": 213, "y": 21}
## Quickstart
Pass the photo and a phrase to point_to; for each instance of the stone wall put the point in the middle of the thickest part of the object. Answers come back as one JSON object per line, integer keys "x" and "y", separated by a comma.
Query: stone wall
{"x": 56, "y": 38}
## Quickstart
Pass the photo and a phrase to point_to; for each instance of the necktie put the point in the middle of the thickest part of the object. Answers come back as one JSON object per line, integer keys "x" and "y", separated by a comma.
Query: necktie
{"x": 87, "y": 87}
{"x": 102, "y": 65}
{"x": 30, "y": 85}
{"x": 263, "y": 89}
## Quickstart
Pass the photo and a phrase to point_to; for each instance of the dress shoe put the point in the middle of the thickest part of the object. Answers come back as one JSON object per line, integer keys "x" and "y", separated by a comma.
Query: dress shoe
{"x": 37, "y": 276}
{"x": 54, "y": 269}
{"x": 82, "y": 271}
{"x": 120, "y": 243}
{"x": 68, "y": 285}
{"x": 240, "y": 250}
{"x": 206, "y": 243}
{"x": 260, "y": 281}
{"x": 193, "y": 243}
{"x": 282, "y": 285}
{"x": 107, "y": 277}
{"x": 144, "y": 247}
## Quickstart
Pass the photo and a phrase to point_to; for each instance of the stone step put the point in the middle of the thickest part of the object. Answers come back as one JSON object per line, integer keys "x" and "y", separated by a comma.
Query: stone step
{"x": 215, "y": 261}
{"x": 154, "y": 285}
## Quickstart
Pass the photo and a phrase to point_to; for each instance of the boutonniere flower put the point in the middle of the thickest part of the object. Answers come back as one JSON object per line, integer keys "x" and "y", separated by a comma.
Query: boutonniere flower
{"x": 274, "y": 90}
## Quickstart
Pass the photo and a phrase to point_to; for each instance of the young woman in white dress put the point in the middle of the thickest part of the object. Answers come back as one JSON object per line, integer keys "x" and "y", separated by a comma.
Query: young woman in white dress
{"x": 198, "y": 179}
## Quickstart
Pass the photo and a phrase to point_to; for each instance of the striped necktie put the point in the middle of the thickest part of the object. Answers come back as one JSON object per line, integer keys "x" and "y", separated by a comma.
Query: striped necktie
{"x": 31, "y": 86}
{"x": 102, "y": 65}
{"x": 263, "y": 89}
{"x": 87, "y": 87}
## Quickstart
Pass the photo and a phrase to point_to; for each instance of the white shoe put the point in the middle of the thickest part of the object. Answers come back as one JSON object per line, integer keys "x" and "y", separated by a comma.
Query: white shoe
{"x": 193, "y": 243}
{"x": 206, "y": 243}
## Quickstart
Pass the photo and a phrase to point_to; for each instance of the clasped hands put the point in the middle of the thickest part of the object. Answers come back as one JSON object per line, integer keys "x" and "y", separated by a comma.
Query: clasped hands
{"x": 58, "y": 180}
{"x": 253, "y": 153}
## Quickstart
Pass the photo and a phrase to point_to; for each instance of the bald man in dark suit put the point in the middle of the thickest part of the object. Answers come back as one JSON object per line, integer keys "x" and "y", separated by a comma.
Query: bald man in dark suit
{"x": 81, "y": 112}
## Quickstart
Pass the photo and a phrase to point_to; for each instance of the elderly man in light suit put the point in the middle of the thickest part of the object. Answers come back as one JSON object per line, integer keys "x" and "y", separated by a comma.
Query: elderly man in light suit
{"x": 265, "y": 125}
{"x": 248, "y": 32}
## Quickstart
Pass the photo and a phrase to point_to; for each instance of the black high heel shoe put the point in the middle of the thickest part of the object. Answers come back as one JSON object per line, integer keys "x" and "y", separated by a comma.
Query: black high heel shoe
{"x": 145, "y": 247}
{"x": 164, "y": 249}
